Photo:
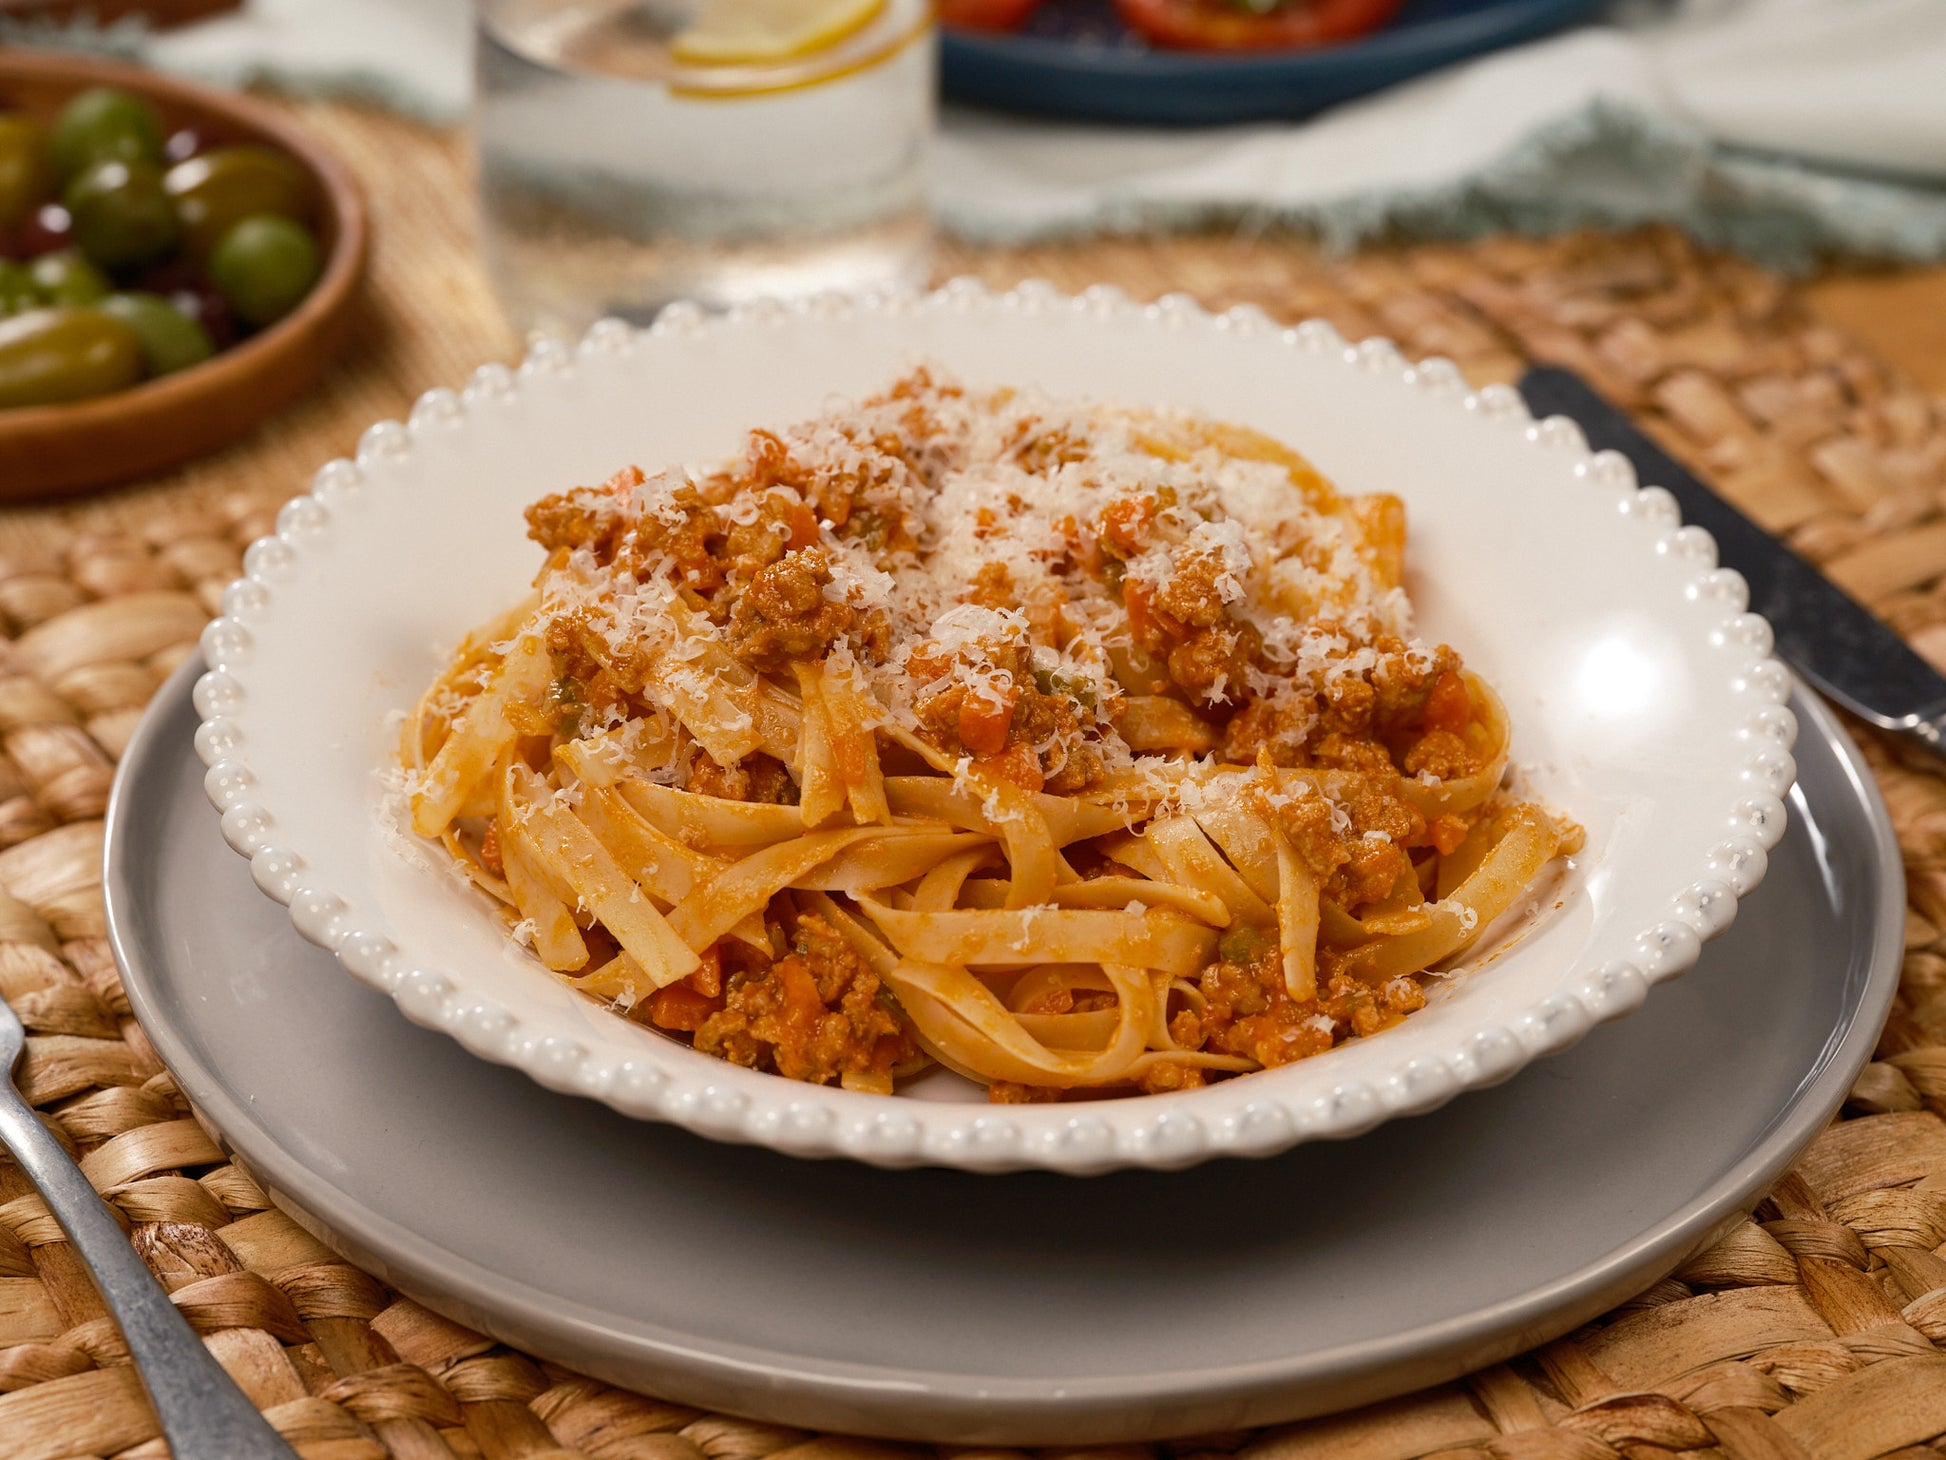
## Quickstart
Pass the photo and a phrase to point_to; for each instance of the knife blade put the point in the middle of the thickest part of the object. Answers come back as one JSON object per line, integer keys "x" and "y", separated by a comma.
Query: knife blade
{"x": 1822, "y": 632}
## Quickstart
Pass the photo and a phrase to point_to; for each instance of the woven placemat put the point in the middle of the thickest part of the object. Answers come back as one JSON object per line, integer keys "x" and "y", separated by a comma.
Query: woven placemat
{"x": 1812, "y": 1330}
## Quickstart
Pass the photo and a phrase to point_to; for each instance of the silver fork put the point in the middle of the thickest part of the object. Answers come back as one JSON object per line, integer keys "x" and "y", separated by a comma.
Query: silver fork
{"x": 204, "y": 1415}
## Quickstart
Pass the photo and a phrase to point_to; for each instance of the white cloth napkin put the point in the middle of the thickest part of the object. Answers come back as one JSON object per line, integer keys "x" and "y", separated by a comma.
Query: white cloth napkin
{"x": 413, "y": 55}
{"x": 1783, "y": 127}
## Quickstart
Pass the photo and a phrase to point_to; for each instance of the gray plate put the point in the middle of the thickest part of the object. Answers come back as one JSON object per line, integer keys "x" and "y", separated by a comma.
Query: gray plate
{"x": 1009, "y": 1309}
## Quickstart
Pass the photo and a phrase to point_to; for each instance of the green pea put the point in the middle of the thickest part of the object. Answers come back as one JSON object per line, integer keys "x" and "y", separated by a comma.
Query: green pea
{"x": 121, "y": 214}
{"x": 171, "y": 340}
{"x": 52, "y": 355}
{"x": 26, "y": 174}
{"x": 216, "y": 190}
{"x": 105, "y": 122}
{"x": 264, "y": 267}
{"x": 17, "y": 291}
{"x": 1243, "y": 944}
{"x": 68, "y": 278}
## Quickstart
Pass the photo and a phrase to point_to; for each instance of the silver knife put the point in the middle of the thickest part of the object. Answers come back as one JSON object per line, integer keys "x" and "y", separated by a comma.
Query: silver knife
{"x": 1822, "y": 632}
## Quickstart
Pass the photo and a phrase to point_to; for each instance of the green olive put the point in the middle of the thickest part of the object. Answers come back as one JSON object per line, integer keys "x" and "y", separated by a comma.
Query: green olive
{"x": 218, "y": 189}
{"x": 17, "y": 291}
{"x": 26, "y": 174}
{"x": 263, "y": 267}
{"x": 120, "y": 213}
{"x": 105, "y": 122}
{"x": 171, "y": 340}
{"x": 68, "y": 278}
{"x": 53, "y": 355}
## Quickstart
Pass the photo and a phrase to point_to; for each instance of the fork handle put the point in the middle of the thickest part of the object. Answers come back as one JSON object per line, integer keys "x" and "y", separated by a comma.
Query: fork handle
{"x": 203, "y": 1413}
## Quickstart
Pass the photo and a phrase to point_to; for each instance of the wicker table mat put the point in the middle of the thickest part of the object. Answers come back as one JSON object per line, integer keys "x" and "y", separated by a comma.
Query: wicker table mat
{"x": 1813, "y": 1330}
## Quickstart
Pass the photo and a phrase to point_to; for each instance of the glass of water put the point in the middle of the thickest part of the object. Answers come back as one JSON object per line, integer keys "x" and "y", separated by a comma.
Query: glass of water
{"x": 634, "y": 152}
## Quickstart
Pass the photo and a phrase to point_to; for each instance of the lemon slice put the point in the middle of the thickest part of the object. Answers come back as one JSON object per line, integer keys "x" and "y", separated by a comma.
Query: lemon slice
{"x": 752, "y": 32}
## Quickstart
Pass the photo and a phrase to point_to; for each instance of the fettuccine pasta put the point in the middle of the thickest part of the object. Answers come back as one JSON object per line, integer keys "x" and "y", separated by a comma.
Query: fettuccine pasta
{"x": 1074, "y": 748}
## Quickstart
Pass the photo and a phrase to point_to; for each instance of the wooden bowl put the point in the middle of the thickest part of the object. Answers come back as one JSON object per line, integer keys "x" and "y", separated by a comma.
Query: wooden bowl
{"x": 46, "y": 450}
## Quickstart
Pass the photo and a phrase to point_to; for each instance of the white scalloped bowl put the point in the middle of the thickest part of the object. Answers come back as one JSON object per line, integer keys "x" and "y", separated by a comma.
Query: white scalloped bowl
{"x": 1643, "y": 698}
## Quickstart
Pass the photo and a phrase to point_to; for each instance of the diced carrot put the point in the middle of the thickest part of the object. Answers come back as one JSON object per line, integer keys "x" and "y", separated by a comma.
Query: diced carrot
{"x": 680, "y": 1007}
{"x": 1447, "y": 707}
{"x": 803, "y": 525}
{"x": 793, "y": 975}
{"x": 768, "y": 458}
{"x": 1126, "y": 523}
{"x": 1141, "y": 617}
{"x": 707, "y": 980}
{"x": 983, "y": 724}
{"x": 929, "y": 662}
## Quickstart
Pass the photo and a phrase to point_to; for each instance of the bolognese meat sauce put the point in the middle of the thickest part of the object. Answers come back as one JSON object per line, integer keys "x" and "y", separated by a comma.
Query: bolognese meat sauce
{"x": 1009, "y": 581}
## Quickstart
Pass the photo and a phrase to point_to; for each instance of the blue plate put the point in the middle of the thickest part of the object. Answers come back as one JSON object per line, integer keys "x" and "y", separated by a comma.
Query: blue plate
{"x": 1076, "y": 59}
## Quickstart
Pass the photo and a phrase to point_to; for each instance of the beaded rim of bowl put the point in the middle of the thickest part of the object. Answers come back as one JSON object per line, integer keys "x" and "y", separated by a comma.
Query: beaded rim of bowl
{"x": 1237, "y": 1117}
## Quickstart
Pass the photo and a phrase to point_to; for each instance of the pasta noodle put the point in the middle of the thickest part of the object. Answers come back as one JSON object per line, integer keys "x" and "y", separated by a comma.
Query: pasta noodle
{"x": 1080, "y": 750}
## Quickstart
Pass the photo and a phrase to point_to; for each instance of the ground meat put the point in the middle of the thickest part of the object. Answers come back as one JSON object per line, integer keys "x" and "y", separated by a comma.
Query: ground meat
{"x": 1311, "y": 825}
{"x": 1248, "y": 1011}
{"x": 1440, "y": 753}
{"x": 1336, "y": 750}
{"x": 1166, "y": 1075}
{"x": 784, "y": 615}
{"x": 1265, "y": 728}
{"x": 582, "y": 650}
{"x": 783, "y": 523}
{"x": 1070, "y": 764}
{"x": 871, "y": 635}
{"x": 1069, "y": 1001}
{"x": 1006, "y": 1092}
{"x": 1369, "y": 874}
{"x": 694, "y": 541}
{"x": 1189, "y": 594}
{"x": 1210, "y": 663}
{"x": 1348, "y": 707}
{"x": 757, "y": 777}
{"x": 814, "y": 1014}
{"x": 834, "y": 490}
{"x": 594, "y": 520}
{"x": 1402, "y": 685}
{"x": 1353, "y": 869}
{"x": 587, "y": 517}
{"x": 1183, "y": 623}
{"x": 993, "y": 587}
{"x": 1028, "y": 730}
{"x": 1405, "y": 711}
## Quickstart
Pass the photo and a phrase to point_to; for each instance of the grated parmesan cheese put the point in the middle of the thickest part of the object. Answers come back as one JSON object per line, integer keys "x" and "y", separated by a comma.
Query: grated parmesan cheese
{"x": 963, "y": 534}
